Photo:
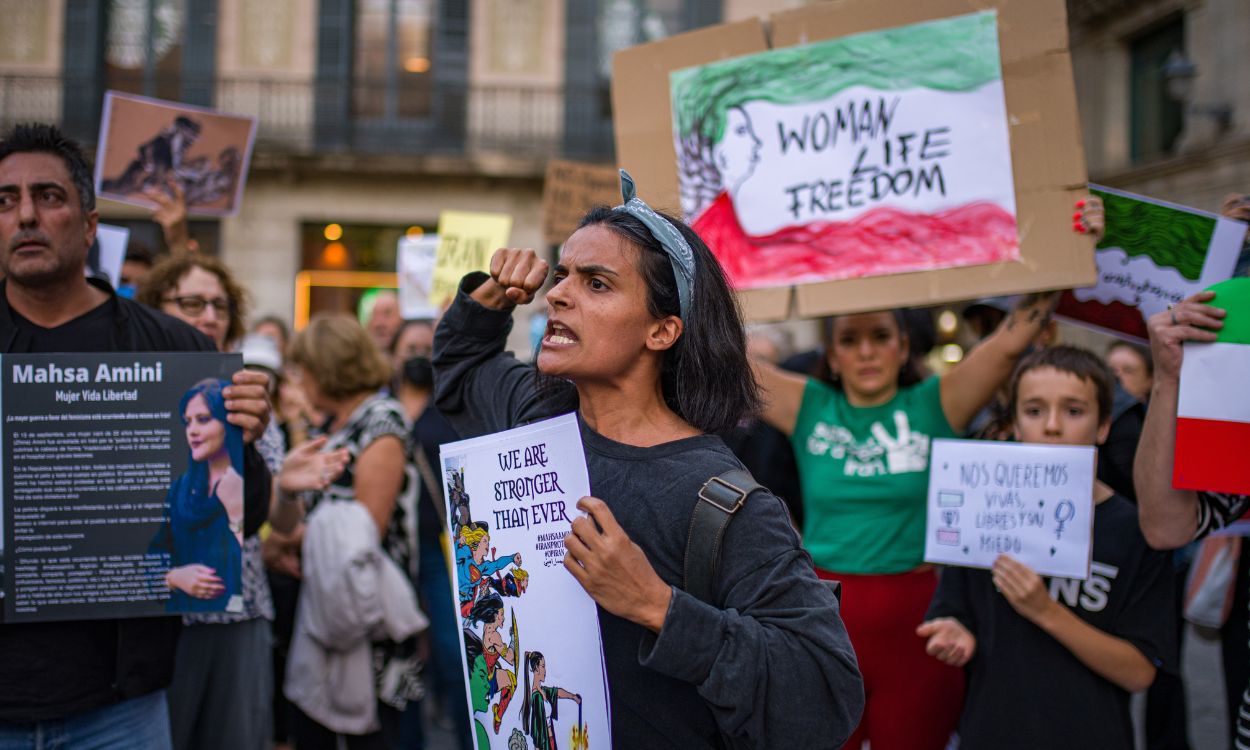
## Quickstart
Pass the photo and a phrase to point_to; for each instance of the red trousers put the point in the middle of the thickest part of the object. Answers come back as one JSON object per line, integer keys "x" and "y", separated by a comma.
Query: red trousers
{"x": 913, "y": 700}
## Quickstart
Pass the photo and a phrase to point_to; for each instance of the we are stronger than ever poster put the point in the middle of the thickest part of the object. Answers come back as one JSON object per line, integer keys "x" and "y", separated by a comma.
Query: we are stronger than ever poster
{"x": 533, "y": 657}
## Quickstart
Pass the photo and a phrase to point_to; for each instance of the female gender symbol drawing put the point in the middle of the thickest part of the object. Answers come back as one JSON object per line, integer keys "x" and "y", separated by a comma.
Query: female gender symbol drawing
{"x": 1064, "y": 512}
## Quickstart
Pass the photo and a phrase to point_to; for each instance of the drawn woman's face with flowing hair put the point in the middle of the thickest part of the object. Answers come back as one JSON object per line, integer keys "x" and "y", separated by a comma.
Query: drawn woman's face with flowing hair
{"x": 738, "y": 151}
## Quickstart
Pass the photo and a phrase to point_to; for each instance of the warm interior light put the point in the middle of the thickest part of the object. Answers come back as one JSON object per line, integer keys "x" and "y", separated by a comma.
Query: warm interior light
{"x": 414, "y": 231}
{"x": 333, "y": 232}
{"x": 952, "y": 353}
{"x": 306, "y": 281}
{"x": 417, "y": 64}
{"x": 947, "y": 322}
{"x": 334, "y": 255}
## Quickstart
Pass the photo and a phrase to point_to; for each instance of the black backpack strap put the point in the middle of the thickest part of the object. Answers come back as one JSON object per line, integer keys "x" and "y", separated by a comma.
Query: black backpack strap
{"x": 720, "y": 497}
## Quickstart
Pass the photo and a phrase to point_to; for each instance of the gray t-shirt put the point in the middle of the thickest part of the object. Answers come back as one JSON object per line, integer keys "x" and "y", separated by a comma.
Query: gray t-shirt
{"x": 768, "y": 664}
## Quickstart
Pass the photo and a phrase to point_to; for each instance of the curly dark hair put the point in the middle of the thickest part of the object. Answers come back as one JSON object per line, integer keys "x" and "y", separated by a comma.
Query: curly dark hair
{"x": 164, "y": 278}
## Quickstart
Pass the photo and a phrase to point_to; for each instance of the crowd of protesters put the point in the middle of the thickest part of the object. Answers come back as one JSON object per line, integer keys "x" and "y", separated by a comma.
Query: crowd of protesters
{"x": 342, "y": 423}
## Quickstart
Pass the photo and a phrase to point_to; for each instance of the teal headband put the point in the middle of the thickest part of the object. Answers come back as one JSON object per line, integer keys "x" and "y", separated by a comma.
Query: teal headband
{"x": 675, "y": 246}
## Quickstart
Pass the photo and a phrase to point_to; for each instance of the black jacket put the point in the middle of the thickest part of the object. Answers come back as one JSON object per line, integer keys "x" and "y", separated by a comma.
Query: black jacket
{"x": 143, "y": 648}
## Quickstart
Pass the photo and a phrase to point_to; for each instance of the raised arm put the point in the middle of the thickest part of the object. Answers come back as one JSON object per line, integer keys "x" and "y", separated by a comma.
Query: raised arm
{"x": 1169, "y": 517}
{"x": 782, "y": 394}
{"x": 971, "y": 384}
{"x": 478, "y": 386}
{"x": 516, "y": 275}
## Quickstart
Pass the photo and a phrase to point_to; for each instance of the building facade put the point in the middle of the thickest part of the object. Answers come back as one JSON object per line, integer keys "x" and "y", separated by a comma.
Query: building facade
{"x": 1164, "y": 106}
{"x": 375, "y": 115}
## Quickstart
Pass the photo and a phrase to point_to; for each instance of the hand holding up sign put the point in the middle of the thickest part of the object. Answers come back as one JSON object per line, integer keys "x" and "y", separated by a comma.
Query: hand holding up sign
{"x": 1191, "y": 320}
{"x": 1022, "y": 587}
{"x": 171, "y": 214}
{"x": 614, "y": 570}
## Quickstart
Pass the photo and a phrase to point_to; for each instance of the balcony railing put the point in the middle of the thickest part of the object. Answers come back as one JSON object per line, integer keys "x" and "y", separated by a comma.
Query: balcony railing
{"x": 513, "y": 121}
{"x": 30, "y": 99}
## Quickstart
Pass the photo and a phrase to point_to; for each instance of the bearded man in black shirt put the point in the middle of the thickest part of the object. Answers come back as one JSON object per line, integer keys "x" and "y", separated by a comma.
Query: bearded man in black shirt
{"x": 97, "y": 683}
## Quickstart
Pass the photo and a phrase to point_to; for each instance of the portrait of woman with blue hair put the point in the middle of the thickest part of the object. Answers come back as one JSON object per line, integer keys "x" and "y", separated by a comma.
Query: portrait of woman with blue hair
{"x": 203, "y": 532}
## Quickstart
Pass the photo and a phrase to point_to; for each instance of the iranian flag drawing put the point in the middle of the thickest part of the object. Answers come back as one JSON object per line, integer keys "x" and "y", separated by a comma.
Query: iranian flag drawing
{"x": 1213, "y": 412}
{"x": 873, "y": 154}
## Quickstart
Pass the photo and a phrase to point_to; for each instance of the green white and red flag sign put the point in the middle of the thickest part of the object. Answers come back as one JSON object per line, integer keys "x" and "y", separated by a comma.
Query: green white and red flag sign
{"x": 1213, "y": 414}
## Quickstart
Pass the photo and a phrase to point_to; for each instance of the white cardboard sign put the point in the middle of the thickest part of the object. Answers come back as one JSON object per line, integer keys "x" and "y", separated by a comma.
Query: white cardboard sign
{"x": 1033, "y": 502}
{"x": 416, "y": 275}
{"x": 511, "y": 497}
{"x": 113, "y": 241}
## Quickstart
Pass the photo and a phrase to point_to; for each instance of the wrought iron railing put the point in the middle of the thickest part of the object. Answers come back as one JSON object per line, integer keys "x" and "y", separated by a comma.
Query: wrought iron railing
{"x": 509, "y": 120}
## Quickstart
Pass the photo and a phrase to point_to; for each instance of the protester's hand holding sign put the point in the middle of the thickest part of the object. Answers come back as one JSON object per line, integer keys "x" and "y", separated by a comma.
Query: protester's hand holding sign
{"x": 1112, "y": 657}
{"x": 614, "y": 570}
{"x": 247, "y": 400}
{"x": 1023, "y": 588}
{"x": 1169, "y": 516}
{"x": 1190, "y": 320}
{"x": 171, "y": 214}
{"x": 1090, "y": 217}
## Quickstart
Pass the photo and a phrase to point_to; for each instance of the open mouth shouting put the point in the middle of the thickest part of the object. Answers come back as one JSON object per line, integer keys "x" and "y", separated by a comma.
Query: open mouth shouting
{"x": 558, "y": 335}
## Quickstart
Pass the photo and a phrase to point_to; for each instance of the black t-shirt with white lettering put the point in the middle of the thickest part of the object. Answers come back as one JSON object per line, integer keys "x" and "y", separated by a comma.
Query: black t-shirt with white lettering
{"x": 1025, "y": 689}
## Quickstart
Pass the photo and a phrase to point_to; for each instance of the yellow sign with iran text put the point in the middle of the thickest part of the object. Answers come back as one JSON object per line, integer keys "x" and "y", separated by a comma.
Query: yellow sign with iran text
{"x": 466, "y": 242}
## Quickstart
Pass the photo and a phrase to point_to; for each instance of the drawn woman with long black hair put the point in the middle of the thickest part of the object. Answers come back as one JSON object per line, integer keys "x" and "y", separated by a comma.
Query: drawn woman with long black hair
{"x": 540, "y": 710}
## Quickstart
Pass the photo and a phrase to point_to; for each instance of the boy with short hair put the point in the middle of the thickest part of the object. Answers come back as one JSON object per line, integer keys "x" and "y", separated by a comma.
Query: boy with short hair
{"x": 1051, "y": 662}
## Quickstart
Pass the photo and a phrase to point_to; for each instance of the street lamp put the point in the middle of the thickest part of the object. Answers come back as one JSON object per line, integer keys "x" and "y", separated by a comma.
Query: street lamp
{"x": 1179, "y": 73}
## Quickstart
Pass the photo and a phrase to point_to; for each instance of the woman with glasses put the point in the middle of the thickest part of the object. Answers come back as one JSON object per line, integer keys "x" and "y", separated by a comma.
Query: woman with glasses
{"x": 198, "y": 289}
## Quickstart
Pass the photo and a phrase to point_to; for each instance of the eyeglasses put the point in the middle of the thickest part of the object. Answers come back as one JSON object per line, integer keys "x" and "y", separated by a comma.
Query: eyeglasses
{"x": 195, "y": 305}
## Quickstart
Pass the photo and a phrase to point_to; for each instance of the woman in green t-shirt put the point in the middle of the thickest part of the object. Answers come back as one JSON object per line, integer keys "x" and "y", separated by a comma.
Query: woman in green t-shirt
{"x": 862, "y": 446}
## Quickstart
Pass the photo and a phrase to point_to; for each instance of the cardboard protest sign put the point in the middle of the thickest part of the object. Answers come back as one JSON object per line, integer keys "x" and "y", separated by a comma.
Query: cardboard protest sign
{"x": 415, "y": 268}
{"x": 1213, "y": 410}
{"x": 571, "y": 189}
{"x": 109, "y": 253}
{"x": 1153, "y": 254}
{"x": 466, "y": 242}
{"x": 147, "y": 144}
{"x": 876, "y": 153}
{"x": 532, "y": 650}
{"x": 122, "y": 486}
{"x": 1043, "y": 154}
{"x": 1033, "y": 502}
